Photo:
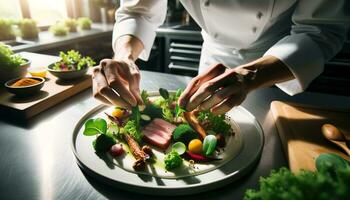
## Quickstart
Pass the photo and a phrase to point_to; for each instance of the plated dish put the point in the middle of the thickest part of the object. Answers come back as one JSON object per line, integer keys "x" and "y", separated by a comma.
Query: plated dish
{"x": 71, "y": 66}
{"x": 162, "y": 140}
{"x": 192, "y": 175}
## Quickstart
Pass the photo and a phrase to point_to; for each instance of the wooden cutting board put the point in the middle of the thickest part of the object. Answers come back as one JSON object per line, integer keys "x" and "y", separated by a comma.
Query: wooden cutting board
{"x": 299, "y": 128}
{"x": 53, "y": 92}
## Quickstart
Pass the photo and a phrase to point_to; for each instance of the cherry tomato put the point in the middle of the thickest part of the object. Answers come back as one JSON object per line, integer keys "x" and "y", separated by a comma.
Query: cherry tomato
{"x": 195, "y": 146}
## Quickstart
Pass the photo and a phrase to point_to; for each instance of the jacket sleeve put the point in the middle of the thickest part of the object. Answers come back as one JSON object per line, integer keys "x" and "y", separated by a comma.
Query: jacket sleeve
{"x": 317, "y": 34}
{"x": 139, "y": 18}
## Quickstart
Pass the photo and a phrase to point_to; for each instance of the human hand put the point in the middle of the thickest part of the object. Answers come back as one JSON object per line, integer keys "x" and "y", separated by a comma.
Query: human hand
{"x": 218, "y": 89}
{"x": 116, "y": 82}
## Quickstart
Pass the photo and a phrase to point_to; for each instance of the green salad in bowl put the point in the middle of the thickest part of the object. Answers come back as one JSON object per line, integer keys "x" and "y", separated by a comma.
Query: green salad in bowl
{"x": 71, "y": 65}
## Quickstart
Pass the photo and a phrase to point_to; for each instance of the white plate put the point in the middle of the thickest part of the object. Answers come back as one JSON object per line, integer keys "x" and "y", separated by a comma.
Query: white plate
{"x": 105, "y": 170}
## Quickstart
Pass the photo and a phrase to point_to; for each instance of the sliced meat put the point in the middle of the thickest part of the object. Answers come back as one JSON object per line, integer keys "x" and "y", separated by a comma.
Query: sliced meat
{"x": 159, "y": 132}
{"x": 152, "y": 138}
{"x": 168, "y": 127}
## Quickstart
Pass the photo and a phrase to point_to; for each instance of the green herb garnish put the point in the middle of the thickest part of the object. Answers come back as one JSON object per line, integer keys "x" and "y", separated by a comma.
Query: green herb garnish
{"x": 145, "y": 97}
{"x": 95, "y": 126}
{"x": 217, "y": 124}
{"x": 131, "y": 129}
{"x": 164, "y": 93}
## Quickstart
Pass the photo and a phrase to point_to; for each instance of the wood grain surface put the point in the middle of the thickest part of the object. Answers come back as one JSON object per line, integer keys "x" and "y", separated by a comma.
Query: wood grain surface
{"x": 299, "y": 128}
{"x": 53, "y": 92}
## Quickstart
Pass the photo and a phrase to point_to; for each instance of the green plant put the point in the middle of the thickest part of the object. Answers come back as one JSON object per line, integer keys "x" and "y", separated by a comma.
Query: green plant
{"x": 184, "y": 133}
{"x": 95, "y": 126}
{"x": 8, "y": 59}
{"x": 28, "y": 28}
{"x": 84, "y": 23}
{"x": 59, "y": 29}
{"x": 6, "y": 30}
{"x": 103, "y": 143}
{"x": 73, "y": 60}
{"x": 330, "y": 181}
{"x": 217, "y": 123}
{"x": 104, "y": 140}
{"x": 131, "y": 129}
{"x": 71, "y": 24}
{"x": 172, "y": 160}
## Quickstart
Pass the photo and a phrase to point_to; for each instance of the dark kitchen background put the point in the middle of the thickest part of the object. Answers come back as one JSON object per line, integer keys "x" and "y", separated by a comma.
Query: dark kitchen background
{"x": 176, "y": 49}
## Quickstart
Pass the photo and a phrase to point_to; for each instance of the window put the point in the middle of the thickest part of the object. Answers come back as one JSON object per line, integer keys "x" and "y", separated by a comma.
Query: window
{"x": 47, "y": 12}
{"x": 10, "y": 9}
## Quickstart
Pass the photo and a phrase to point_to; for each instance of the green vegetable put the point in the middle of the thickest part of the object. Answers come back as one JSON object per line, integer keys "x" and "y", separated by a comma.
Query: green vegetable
{"x": 8, "y": 59}
{"x": 217, "y": 124}
{"x": 152, "y": 111}
{"x": 113, "y": 129}
{"x": 131, "y": 128}
{"x": 71, "y": 24}
{"x": 164, "y": 93}
{"x": 331, "y": 161}
{"x": 178, "y": 110}
{"x": 209, "y": 144}
{"x": 172, "y": 160}
{"x": 28, "y": 28}
{"x": 84, "y": 23}
{"x": 166, "y": 103}
{"x": 95, "y": 126}
{"x": 136, "y": 116}
{"x": 59, "y": 29}
{"x": 178, "y": 94}
{"x": 7, "y": 31}
{"x": 73, "y": 60}
{"x": 103, "y": 143}
{"x": 145, "y": 97}
{"x": 184, "y": 133}
{"x": 330, "y": 181}
{"x": 179, "y": 147}
{"x": 168, "y": 114}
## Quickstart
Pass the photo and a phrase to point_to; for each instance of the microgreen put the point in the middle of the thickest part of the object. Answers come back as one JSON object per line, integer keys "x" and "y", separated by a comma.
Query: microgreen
{"x": 95, "y": 126}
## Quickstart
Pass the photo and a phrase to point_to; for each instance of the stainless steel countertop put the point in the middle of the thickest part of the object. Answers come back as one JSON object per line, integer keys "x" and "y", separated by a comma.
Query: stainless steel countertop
{"x": 37, "y": 161}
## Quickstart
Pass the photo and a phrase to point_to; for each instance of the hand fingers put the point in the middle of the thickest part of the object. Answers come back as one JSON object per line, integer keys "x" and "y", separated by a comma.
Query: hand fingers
{"x": 219, "y": 96}
{"x": 112, "y": 73}
{"x": 228, "y": 104}
{"x": 101, "y": 89}
{"x": 210, "y": 87}
{"x": 102, "y": 99}
{"x": 134, "y": 78}
{"x": 198, "y": 81}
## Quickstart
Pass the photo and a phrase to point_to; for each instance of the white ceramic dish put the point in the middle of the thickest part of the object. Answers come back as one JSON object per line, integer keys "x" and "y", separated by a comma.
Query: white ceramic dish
{"x": 106, "y": 171}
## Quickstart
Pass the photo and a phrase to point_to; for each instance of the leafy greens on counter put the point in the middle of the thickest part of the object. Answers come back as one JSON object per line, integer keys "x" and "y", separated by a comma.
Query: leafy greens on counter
{"x": 330, "y": 181}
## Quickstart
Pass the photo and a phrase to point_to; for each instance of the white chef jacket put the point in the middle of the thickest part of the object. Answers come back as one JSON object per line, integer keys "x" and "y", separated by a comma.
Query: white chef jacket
{"x": 303, "y": 34}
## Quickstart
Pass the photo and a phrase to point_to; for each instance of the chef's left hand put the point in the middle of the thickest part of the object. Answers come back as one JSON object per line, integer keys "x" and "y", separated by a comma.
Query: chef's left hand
{"x": 218, "y": 89}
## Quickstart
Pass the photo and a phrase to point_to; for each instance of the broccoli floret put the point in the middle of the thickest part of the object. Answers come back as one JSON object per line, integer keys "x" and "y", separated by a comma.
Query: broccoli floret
{"x": 103, "y": 143}
{"x": 184, "y": 133}
{"x": 172, "y": 160}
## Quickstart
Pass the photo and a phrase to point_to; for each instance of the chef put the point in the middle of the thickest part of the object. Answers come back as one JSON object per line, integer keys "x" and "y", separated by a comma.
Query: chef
{"x": 247, "y": 45}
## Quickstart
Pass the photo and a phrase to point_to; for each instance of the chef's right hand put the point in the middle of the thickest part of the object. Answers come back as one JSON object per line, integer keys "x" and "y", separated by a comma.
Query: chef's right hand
{"x": 117, "y": 82}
